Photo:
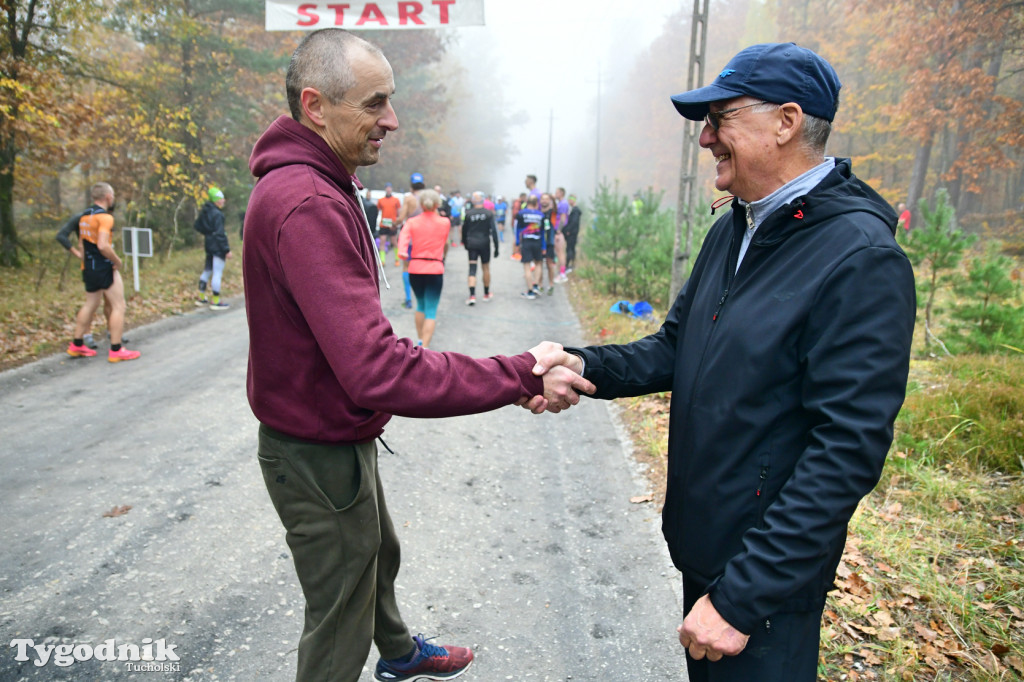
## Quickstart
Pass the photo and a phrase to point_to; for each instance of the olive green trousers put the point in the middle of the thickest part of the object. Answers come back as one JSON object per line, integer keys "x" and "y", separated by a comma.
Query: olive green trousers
{"x": 346, "y": 552}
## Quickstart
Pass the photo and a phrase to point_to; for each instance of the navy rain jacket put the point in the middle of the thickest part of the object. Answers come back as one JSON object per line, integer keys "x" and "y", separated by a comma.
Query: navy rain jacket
{"x": 786, "y": 378}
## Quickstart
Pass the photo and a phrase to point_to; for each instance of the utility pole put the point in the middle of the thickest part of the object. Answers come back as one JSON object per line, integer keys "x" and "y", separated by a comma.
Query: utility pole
{"x": 691, "y": 153}
{"x": 597, "y": 140}
{"x": 551, "y": 125}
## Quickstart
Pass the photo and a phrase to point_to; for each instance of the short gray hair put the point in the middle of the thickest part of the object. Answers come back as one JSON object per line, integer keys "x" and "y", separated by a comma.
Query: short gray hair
{"x": 321, "y": 62}
{"x": 814, "y": 134}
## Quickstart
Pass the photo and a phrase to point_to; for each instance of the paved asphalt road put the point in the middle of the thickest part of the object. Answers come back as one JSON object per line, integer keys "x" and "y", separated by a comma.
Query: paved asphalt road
{"x": 519, "y": 538}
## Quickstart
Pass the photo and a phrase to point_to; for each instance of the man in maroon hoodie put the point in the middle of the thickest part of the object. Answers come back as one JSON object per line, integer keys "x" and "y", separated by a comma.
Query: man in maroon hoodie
{"x": 327, "y": 372}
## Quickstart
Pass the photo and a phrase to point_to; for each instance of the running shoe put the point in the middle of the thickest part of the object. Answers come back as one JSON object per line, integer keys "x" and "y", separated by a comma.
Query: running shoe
{"x": 561, "y": 279}
{"x": 122, "y": 355}
{"x": 551, "y": 291}
{"x": 89, "y": 342}
{"x": 202, "y": 301}
{"x": 471, "y": 300}
{"x": 529, "y": 294}
{"x": 431, "y": 662}
{"x": 488, "y": 297}
{"x": 82, "y": 351}
{"x": 220, "y": 305}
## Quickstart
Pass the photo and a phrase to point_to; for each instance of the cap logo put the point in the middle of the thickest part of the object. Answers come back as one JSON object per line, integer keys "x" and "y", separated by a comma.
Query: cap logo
{"x": 726, "y": 73}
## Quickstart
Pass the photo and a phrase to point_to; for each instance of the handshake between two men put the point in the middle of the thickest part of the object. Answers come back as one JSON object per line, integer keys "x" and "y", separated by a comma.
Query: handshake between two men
{"x": 563, "y": 380}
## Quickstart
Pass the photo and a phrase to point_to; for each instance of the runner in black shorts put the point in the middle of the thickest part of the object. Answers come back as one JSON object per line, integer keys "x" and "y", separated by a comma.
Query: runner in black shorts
{"x": 478, "y": 231}
{"x": 99, "y": 277}
{"x": 100, "y": 264}
{"x": 530, "y": 239}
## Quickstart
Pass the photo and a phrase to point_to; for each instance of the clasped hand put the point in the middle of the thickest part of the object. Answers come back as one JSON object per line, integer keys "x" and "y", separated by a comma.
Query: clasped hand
{"x": 705, "y": 633}
{"x": 562, "y": 380}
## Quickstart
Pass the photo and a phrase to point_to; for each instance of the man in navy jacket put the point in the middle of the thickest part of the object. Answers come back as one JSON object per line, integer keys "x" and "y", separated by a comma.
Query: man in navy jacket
{"x": 787, "y": 354}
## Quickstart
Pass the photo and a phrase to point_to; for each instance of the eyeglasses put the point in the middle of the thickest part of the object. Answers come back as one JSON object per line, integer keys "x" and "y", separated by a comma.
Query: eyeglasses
{"x": 715, "y": 118}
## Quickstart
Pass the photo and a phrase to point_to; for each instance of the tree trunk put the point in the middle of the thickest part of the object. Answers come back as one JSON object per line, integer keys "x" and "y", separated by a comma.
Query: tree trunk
{"x": 917, "y": 179}
{"x": 9, "y": 243}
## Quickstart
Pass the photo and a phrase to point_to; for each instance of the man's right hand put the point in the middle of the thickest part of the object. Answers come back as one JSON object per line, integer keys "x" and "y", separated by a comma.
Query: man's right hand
{"x": 561, "y": 379}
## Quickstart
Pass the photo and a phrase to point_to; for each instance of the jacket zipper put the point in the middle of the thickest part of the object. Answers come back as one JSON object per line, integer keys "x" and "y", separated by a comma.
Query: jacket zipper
{"x": 721, "y": 302}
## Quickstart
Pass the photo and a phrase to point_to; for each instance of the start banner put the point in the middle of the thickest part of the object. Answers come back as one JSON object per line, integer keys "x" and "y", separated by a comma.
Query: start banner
{"x": 297, "y": 15}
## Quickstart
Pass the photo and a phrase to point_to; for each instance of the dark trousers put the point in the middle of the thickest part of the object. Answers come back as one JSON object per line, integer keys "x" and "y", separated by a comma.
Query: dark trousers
{"x": 782, "y": 649}
{"x": 346, "y": 553}
{"x": 570, "y": 247}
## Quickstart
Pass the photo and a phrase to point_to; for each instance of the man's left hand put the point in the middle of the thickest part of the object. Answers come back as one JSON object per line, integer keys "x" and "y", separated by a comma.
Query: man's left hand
{"x": 705, "y": 633}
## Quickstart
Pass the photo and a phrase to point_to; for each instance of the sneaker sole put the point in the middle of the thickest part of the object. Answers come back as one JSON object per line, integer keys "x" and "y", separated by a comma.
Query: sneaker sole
{"x": 436, "y": 677}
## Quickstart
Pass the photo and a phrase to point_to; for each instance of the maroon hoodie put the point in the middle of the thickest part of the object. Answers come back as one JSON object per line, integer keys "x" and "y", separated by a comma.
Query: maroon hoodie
{"x": 324, "y": 362}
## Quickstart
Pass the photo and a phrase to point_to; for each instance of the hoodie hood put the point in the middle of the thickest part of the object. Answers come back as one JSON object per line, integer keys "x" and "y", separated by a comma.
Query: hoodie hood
{"x": 287, "y": 142}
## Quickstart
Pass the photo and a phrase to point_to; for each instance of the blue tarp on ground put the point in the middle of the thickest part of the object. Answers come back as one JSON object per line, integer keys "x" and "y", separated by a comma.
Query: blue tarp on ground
{"x": 638, "y": 309}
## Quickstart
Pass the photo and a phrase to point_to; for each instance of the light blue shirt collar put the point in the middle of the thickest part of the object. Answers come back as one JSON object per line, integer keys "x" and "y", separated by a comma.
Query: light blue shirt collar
{"x": 797, "y": 187}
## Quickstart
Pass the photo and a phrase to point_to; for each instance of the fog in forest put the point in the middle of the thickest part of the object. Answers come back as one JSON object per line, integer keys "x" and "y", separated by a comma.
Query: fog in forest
{"x": 542, "y": 61}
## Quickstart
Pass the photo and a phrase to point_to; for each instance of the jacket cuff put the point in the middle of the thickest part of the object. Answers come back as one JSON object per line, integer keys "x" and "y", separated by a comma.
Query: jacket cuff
{"x": 742, "y": 620}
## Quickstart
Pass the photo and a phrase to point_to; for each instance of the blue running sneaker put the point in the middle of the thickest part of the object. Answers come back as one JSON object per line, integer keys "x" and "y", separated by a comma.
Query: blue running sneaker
{"x": 430, "y": 662}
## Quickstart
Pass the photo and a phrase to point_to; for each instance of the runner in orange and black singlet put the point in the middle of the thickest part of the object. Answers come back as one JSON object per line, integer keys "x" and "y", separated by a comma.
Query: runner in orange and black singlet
{"x": 97, "y": 269}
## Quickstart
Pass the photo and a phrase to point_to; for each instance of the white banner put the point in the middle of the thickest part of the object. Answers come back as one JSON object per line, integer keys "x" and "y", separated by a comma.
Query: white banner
{"x": 297, "y": 15}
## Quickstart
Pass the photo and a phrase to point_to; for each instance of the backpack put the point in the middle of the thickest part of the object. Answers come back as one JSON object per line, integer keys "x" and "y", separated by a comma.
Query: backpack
{"x": 202, "y": 225}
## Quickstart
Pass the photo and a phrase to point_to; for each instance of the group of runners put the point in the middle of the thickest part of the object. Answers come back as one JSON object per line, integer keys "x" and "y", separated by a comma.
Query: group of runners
{"x": 420, "y": 226}
{"x": 545, "y": 229}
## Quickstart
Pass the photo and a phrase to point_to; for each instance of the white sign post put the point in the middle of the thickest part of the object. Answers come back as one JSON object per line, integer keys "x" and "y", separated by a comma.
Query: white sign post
{"x": 137, "y": 241}
{"x": 356, "y": 15}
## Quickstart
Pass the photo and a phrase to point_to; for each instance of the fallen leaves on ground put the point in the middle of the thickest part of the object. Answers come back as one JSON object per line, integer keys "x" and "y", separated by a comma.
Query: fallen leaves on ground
{"x": 117, "y": 511}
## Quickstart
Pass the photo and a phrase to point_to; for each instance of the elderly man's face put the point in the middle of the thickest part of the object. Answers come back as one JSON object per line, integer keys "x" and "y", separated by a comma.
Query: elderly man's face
{"x": 355, "y": 126}
{"x": 744, "y": 149}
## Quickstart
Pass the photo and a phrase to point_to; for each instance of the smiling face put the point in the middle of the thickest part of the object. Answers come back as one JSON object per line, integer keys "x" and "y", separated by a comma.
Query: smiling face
{"x": 356, "y": 125}
{"x": 745, "y": 148}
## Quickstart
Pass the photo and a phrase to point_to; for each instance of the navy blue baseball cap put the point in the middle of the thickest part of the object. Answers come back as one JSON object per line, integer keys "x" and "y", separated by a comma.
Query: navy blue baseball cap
{"x": 774, "y": 72}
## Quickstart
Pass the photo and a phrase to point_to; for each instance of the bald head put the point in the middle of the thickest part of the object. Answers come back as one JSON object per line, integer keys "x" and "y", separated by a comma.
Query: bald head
{"x": 322, "y": 61}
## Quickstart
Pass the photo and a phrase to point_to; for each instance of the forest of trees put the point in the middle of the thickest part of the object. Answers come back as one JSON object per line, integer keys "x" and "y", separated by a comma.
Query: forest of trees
{"x": 164, "y": 98}
{"x": 932, "y": 98}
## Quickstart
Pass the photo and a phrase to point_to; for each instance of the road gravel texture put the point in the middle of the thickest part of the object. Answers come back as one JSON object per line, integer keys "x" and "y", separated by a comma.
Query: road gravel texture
{"x": 518, "y": 535}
